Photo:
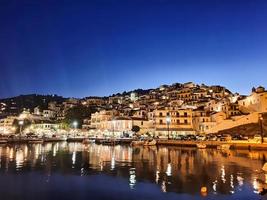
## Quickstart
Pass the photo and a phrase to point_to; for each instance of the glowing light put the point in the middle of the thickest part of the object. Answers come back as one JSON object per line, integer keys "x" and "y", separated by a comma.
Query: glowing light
{"x": 113, "y": 162}
{"x": 255, "y": 185}
{"x": 169, "y": 169}
{"x": 75, "y": 124}
{"x": 132, "y": 179}
{"x": 73, "y": 158}
{"x": 223, "y": 174}
{"x": 240, "y": 181}
{"x": 163, "y": 186}
{"x": 232, "y": 183}
{"x": 214, "y": 186}
{"x": 157, "y": 176}
{"x": 168, "y": 119}
{"x": 19, "y": 159}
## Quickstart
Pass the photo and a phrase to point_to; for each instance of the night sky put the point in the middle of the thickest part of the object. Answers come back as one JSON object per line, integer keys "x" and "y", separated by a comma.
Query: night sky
{"x": 100, "y": 47}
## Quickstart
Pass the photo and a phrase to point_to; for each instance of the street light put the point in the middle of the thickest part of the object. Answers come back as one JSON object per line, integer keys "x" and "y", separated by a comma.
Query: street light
{"x": 21, "y": 122}
{"x": 168, "y": 121}
{"x": 113, "y": 127}
{"x": 75, "y": 125}
{"x": 261, "y": 126}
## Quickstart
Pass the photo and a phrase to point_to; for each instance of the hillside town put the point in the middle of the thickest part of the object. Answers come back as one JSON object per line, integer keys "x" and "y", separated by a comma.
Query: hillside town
{"x": 169, "y": 111}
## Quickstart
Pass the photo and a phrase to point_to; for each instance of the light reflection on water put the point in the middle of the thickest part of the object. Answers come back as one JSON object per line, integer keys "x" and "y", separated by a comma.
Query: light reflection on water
{"x": 172, "y": 169}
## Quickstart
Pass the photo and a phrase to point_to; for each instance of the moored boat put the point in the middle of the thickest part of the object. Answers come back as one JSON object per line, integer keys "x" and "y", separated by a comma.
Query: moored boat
{"x": 137, "y": 143}
{"x": 224, "y": 147}
{"x": 88, "y": 141}
{"x": 201, "y": 146}
{"x": 110, "y": 142}
{"x": 36, "y": 141}
{"x": 2, "y": 141}
{"x": 150, "y": 143}
{"x": 54, "y": 139}
{"x": 75, "y": 139}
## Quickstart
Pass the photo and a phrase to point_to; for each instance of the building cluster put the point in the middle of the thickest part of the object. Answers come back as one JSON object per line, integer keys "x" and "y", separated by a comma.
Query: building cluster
{"x": 167, "y": 111}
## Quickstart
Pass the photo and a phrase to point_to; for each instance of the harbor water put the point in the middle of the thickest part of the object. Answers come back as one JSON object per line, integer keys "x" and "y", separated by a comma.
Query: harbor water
{"x": 78, "y": 171}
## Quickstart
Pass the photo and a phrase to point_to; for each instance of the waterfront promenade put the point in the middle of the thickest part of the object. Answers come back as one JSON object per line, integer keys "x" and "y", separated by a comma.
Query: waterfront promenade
{"x": 160, "y": 142}
{"x": 215, "y": 144}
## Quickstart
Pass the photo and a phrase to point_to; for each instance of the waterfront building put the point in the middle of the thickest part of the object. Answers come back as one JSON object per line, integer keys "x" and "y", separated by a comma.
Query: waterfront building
{"x": 180, "y": 122}
{"x": 202, "y": 121}
{"x": 99, "y": 119}
{"x": 6, "y": 125}
{"x": 255, "y": 102}
{"x": 43, "y": 127}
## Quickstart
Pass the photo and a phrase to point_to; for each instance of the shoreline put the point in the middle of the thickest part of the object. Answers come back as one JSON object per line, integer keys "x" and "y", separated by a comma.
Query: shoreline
{"x": 242, "y": 145}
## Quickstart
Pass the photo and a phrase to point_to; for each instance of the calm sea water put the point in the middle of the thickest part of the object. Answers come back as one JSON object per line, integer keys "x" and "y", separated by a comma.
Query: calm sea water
{"x": 77, "y": 171}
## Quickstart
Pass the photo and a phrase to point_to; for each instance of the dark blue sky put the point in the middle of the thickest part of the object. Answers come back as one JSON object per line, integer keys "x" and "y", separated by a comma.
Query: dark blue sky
{"x": 99, "y": 47}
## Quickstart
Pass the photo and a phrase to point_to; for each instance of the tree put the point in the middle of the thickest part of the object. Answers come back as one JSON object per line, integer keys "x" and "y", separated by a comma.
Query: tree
{"x": 78, "y": 113}
{"x": 135, "y": 128}
{"x": 26, "y": 123}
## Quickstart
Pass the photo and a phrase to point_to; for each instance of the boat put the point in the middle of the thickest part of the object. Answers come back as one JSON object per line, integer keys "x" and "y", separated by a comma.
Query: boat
{"x": 54, "y": 139}
{"x": 224, "y": 147}
{"x": 201, "y": 146}
{"x": 150, "y": 143}
{"x": 36, "y": 141}
{"x": 110, "y": 142}
{"x": 75, "y": 139}
{"x": 137, "y": 143}
{"x": 3, "y": 141}
{"x": 88, "y": 141}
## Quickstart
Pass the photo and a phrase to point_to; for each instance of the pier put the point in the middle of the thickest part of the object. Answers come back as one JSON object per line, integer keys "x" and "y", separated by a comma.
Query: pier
{"x": 215, "y": 144}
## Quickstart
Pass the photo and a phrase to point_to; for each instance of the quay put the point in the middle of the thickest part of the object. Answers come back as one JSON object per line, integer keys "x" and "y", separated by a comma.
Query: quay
{"x": 215, "y": 144}
{"x": 244, "y": 145}
{"x": 118, "y": 141}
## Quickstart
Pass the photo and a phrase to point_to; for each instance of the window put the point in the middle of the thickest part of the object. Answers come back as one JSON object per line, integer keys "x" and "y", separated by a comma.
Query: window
{"x": 177, "y": 114}
{"x": 142, "y": 123}
{"x": 185, "y": 114}
{"x": 160, "y": 121}
{"x": 178, "y": 121}
{"x": 160, "y": 114}
{"x": 185, "y": 121}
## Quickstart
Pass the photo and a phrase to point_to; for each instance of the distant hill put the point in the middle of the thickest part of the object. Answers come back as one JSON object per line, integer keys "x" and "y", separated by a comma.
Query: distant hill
{"x": 18, "y": 103}
{"x": 139, "y": 92}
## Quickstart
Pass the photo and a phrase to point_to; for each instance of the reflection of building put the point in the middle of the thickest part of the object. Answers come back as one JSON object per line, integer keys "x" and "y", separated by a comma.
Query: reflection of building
{"x": 181, "y": 170}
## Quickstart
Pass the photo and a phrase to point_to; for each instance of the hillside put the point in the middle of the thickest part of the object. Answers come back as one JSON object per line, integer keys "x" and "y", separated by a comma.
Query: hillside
{"x": 248, "y": 129}
{"x": 16, "y": 104}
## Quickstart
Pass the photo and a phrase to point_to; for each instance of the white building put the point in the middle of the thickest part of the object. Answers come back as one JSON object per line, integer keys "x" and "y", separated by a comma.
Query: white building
{"x": 49, "y": 114}
{"x": 256, "y": 101}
